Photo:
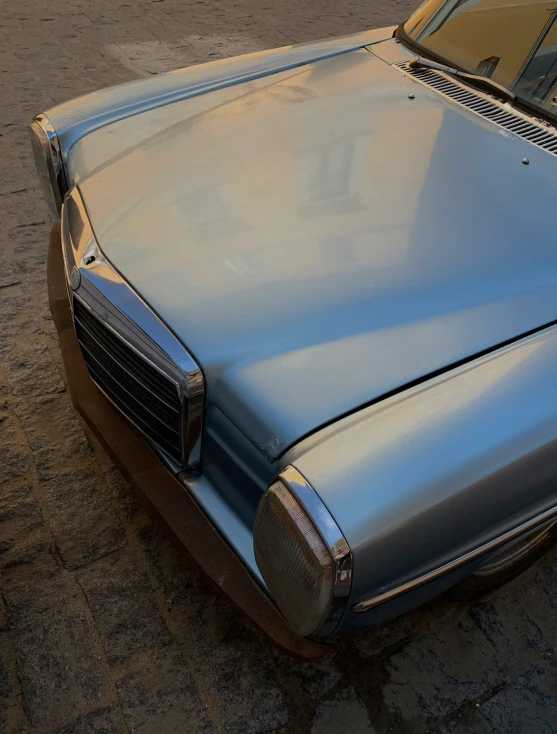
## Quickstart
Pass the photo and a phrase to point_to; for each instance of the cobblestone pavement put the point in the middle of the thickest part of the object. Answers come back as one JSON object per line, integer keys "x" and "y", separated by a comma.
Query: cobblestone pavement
{"x": 103, "y": 627}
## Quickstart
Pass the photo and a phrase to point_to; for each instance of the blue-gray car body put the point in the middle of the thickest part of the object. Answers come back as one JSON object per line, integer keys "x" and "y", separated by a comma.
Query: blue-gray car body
{"x": 364, "y": 270}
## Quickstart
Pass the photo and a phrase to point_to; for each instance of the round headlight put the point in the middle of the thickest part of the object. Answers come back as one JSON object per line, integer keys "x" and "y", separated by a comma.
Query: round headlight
{"x": 48, "y": 160}
{"x": 303, "y": 558}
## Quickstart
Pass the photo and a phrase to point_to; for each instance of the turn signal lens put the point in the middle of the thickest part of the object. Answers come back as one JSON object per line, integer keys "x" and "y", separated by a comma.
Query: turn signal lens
{"x": 293, "y": 559}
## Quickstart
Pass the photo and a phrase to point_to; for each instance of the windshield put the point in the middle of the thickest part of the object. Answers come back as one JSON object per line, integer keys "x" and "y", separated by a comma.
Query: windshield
{"x": 513, "y": 43}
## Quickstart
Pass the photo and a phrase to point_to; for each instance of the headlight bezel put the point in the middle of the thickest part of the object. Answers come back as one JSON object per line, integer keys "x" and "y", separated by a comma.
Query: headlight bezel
{"x": 334, "y": 543}
{"x": 48, "y": 161}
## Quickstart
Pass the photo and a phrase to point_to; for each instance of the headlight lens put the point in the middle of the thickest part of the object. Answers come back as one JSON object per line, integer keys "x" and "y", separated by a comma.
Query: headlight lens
{"x": 294, "y": 560}
{"x": 48, "y": 160}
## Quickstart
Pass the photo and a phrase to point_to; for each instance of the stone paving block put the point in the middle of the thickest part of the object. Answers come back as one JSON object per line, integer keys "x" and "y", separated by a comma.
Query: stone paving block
{"x": 515, "y": 636}
{"x": 20, "y": 514}
{"x": 469, "y": 722}
{"x": 35, "y": 278}
{"x": 124, "y": 607}
{"x": 35, "y": 587}
{"x": 345, "y": 713}
{"x": 528, "y": 705}
{"x": 317, "y": 679}
{"x": 3, "y": 614}
{"x": 536, "y": 590}
{"x": 172, "y": 569}
{"x": 145, "y": 54}
{"x": 121, "y": 491}
{"x": 29, "y": 237}
{"x": 233, "y": 665}
{"x": 14, "y": 459}
{"x": 27, "y": 211}
{"x": 8, "y": 187}
{"x": 12, "y": 716}
{"x": 30, "y": 369}
{"x": 57, "y": 668}
{"x": 439, "y": 672}
{"x": 24, "y": 553}
{"x": 7, "y": 275}
{"x": 390, "y": 635}
{"x": 8, "y": 682}
{"x": 54, "y": 434}
{"x": 102, "y": 721}
{"x": 546, "y": 578}
{"x": 82, "y": 518}
{"x": 16, "y": 316}
{"x": 160, "y": 695}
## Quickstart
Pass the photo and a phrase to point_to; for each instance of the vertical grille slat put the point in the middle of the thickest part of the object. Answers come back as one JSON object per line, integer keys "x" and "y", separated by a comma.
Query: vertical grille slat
{"x": 145, "y": 395}
{"x": 534, "y": 132}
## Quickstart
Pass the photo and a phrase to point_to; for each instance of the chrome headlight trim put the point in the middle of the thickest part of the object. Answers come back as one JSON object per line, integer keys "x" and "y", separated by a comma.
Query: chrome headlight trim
{"x": 104, "y": 291}
{"x": 334, "y": 540}
{"x": 48, "y": 160}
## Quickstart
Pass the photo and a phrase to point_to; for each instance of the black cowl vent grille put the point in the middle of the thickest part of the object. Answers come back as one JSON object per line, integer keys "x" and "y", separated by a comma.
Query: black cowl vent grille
{"x": 536, "y": 133}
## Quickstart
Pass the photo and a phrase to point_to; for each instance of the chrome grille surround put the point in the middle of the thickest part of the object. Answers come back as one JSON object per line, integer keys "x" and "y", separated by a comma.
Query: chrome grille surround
{"x": 535, "y": 131}
{"x": 132, "y": 356}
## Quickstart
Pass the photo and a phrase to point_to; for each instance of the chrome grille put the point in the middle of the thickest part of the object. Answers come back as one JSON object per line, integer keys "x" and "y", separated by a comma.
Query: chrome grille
{"x": 149, "y": 398}
{"x": 536, "y": 133}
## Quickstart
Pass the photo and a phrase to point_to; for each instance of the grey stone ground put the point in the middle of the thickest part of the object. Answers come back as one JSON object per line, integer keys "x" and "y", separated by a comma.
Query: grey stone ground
{"x": 103, "y": 628}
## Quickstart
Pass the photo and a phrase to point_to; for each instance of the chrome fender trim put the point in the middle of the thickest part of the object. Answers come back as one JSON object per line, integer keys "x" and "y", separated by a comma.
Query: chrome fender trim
{"x": 501, "y": 540}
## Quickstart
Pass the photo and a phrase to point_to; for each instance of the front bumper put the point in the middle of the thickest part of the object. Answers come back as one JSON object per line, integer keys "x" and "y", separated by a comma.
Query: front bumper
{"x": 164, "y": 496}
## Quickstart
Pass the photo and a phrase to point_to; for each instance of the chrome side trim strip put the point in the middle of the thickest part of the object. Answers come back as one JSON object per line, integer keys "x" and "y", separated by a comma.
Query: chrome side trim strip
{"x": 333, "y": 537}
{"x": 531, "y": 524}
{"x": 104, "y": 291}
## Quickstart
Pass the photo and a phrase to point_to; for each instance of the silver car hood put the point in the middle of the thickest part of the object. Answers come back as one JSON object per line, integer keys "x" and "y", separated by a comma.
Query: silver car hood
{"x": 321, "y": 239}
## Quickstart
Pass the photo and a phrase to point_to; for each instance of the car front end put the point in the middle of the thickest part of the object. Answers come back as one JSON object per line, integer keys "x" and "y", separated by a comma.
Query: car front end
{"x": 341, "y": 400}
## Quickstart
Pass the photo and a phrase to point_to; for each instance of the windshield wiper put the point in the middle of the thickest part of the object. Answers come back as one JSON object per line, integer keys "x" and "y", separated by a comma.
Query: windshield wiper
{"x": 420, "y": 63}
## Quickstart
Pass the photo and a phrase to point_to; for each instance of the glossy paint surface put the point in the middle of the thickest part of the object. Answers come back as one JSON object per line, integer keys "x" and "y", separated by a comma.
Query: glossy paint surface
{"x": 326, "y": 239}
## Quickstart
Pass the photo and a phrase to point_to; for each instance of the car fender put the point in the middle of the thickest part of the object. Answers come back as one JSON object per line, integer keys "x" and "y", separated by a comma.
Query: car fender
{"x": 422, "y": 479}
{"x": 78, "y": 117}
